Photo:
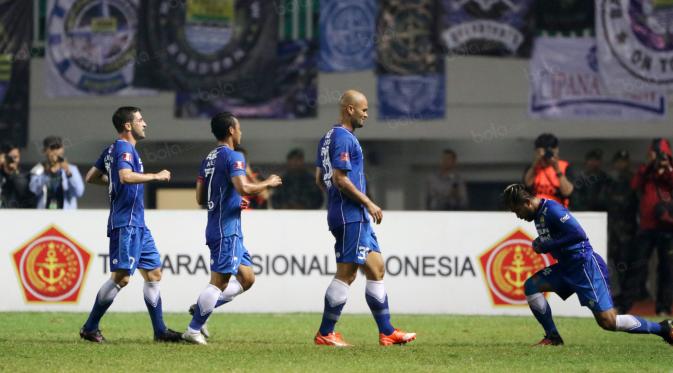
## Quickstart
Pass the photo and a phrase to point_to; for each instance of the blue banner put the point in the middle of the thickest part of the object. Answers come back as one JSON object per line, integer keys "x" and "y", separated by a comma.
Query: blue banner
{"x": 411, "y": 96}
{"x": 347, "y": 35}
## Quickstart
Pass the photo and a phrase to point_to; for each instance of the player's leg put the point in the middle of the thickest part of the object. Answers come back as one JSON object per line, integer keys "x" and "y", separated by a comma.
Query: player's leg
{"x": 243, "y": 280}
{"x": 545, "y": 280}
{"x": 336, "y": 294}
{"x": 375, "y": 291}
{"x": 149, "y": 265}
{"x": 122, "y": 264}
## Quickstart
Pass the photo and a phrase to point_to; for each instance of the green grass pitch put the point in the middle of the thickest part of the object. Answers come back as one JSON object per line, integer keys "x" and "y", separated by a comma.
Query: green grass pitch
{"x": 49, "y": 342}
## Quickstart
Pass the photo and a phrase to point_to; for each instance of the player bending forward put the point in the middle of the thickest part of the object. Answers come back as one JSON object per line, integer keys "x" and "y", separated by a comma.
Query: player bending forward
{"x": 579, "y": 269}
{"x": 220, "y": 184}
{"x": 340, "y": 169}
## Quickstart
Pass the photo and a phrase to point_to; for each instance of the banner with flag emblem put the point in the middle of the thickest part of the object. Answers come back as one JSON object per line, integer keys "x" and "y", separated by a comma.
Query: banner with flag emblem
{"x": 347, "y": 35}
{"x": 16, "y": 27}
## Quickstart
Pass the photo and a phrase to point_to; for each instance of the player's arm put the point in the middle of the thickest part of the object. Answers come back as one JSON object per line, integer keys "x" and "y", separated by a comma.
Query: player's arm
{"x": 565, "y": 227}
{"x": 201, "y": 190}
{"x": 345, "y": 186}
{"x": 127, "y": 176}
{"x": 95, "y": 176}
{"x": 318, "y": 179}
{"x": 250, "y": 188}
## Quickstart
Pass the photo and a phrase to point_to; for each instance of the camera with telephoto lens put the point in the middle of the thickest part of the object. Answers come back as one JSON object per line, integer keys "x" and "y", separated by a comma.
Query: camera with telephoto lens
{"x": 548, "y": 153}
{"x": 9, "y": 159}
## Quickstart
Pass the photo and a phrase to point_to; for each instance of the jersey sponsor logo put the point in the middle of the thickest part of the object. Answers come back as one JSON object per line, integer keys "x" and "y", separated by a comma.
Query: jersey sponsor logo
{"x": 565, "y": 218}
{"x": 51, "y": 267}
{"x": 91, "y": 43}
{"x": 239, "y": 165}
{"x": 127, "y": 157}
{"x": 344, "y": 157}
{"x": 507, "y": 265}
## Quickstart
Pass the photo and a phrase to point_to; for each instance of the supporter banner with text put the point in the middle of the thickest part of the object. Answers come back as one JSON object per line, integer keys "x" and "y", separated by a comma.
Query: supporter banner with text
{"x": 462, "y": 263}
{"x": 16, "y": 27}
{"x": 566, "y": 18}
{"x": 566, "y": 84}
{"x": 635, "y": 48}
{"x": 410, "y": 67}
{"x": 491, "y": 28}
{"x": 91, "y": 47}
{"x": 347, "y": 35}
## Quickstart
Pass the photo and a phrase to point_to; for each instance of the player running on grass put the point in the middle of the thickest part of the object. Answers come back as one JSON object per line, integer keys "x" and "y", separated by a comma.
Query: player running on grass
{"x": 220, "y": 185}
{"x": 131, "y": 243}
{"x": 579, "y": 269}
{"x": 340, "y": 169}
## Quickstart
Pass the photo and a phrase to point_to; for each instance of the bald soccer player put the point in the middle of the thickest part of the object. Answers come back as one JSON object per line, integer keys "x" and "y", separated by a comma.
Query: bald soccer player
{"x": 340, "y": 170}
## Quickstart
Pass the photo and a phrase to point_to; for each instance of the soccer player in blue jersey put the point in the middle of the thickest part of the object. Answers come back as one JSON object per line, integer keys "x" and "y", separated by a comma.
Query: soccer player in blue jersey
{"x": 579, "y": 269}
{"x": 131, "y": 244}
{"x": 219, "y": 187}
{"x": 340, "y": 170}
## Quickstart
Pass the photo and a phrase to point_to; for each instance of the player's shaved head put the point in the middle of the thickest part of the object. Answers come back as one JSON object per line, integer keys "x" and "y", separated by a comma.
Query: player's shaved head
{"x": 353, "y": 105}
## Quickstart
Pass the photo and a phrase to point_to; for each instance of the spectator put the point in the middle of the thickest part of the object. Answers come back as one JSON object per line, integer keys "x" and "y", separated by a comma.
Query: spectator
{"x": 299, "y": 189}
{"x": 14, "y": 192}
{"x": 56, "y": 183}
{"x": 446, "y": 190}
{"x": 258, "y": 201}
{"x": 590, "y": 184}
{"x": 548, "y": 176}
{"x": 622, "y": 208}
{"x": 654, "y": 182}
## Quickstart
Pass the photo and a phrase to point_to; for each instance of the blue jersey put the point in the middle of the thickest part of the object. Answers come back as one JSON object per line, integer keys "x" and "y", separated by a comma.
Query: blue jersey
{"x": 560, "y": 234}
{"x": 340, "y": 149}
{"x": 224, "y": 202}
{"x": 127, "y": 206}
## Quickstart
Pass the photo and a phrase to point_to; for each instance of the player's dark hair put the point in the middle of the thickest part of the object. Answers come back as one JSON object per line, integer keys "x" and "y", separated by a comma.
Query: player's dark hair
{"x": 221, "y": 123}
{"x": 514, "y": 195}
{"x": 295, "y": 153}
{"x": 123, "y": 115}
{"x": 546, "y": 140}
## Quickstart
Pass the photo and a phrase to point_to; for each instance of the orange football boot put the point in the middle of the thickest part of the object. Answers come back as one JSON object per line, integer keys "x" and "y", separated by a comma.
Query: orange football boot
{"x": 331, "y": 339}
{"x": 398, "y": 337}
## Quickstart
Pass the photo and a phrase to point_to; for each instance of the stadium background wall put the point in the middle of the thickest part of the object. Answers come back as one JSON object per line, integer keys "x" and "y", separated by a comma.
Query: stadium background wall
{"x": 434, "y": 261}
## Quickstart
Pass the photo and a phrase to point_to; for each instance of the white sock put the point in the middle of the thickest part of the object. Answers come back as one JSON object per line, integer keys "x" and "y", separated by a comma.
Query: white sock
{"x": 538, "y": 302}
{"x": 337, "y": 292}
{"x": 376, "y": 289}
{"x": 233, "y": 289}
{"x": 108, "y": 291}
{"x": 151, "y": 292}
{"x": 206, "y": 302}
{"x": 626, "y": 322}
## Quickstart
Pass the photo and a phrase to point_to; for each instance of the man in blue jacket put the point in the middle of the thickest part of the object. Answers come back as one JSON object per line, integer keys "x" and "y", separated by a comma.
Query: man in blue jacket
{"x": 56, "y": 183}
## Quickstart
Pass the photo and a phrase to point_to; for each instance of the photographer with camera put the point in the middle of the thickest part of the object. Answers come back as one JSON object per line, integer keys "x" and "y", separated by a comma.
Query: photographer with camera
{"x": 548, "y": 176}
{"x": 14, "y": 192}
{"x": 654, "y": 182}
{"x": 56, "y": 183}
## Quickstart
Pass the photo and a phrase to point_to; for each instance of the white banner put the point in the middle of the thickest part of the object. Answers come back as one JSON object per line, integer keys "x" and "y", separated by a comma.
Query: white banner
{"x": 459, "y": 263}
{"x": 566, "y": 84}
{"x": 90, "y": 47}
{"x": 635, "y": 48}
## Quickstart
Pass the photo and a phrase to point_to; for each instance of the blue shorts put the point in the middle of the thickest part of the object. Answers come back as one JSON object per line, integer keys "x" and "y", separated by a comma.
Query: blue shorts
{"x": 131, "y": 248}
{"x": 354, "y": 241}
{"x": 588, "y": 279}
{"x": 227, "y": 254}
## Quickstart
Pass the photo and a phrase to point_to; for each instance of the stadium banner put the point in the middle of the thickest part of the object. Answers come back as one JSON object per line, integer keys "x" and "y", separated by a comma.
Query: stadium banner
{"x": 569, "y": 18}
{"x": 487, "y": 27}
{"x": 207, "y": 45}
{"x": 91, "y": 48}
{"x": 410, "y": 64}
{"x": 455, "y": 263}
{"x": 347, "y": 35}
{"x": 635, "y": 48}
{"x": 16, "y": 27}
{"x": 565, "y": 83}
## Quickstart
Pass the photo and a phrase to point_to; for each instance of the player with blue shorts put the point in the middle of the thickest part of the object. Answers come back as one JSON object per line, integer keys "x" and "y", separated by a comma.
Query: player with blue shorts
{"x": 340, "y": 170}
{"x": 131, "y": 244}
{"x": 579, "y": 270}
{"x": 219, "y": 187}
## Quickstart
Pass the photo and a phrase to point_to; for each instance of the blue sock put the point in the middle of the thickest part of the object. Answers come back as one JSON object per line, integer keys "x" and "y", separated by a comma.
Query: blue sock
{"x": 637, "y": 325}
{"x": 374, "y": 291}
{"x": 542, "y": 312}
{"x": 103, "y": 301}
{"x": 152, "y": 297}
{"x": 204, "y": 307}
{"x": 221, "y": 301}
{"x": 198, "y": 319}
{"x": 335, "y": 300}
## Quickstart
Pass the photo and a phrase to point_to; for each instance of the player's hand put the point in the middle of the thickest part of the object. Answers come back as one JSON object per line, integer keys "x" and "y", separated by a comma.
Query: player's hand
{"x": 244, "y": 203}
{"x": 163, "y": 175}
{"x": 375, "y": 212}
{"x": 274, "y": 181}
{"x": 537, "y": 247}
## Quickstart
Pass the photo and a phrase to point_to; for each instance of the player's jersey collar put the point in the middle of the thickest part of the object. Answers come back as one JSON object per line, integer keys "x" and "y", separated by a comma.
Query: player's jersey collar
{"x": 540, "y": 208}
